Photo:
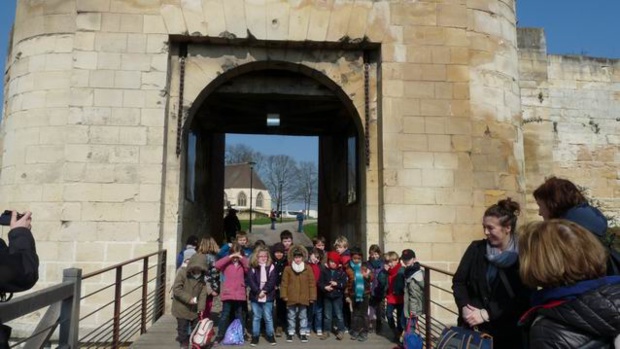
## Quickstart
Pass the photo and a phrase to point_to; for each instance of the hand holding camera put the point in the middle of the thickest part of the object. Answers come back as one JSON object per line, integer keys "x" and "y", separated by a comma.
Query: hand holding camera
{"x": 15, "y": 219}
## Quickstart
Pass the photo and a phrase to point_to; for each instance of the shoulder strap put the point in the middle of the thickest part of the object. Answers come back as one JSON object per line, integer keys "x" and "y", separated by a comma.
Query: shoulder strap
{"x": 507, "y": 286}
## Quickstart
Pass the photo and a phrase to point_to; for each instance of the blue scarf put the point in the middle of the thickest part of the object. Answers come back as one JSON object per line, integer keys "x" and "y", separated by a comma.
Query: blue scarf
{"x": 573, "y": 291}
{"x": 501, "y": 259}
{"x": 359, "y": 281}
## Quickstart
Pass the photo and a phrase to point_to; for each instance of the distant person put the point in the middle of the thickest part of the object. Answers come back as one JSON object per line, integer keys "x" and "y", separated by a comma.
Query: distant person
{"x": 231, "y": 224}
{"x": 273, "y": 217}
{"x": 300, "y": 222}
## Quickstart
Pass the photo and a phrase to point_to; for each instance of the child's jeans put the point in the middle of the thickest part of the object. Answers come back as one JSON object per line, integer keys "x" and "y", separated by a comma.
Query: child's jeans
{"x": 398, "y": 322}
{"x": 359, "y": 317}
{"x": 315, "y": 315}
{"x": 332, "y": 307}
{"x": 183, "y": 328}
{"x": 262, "y": 311}
{"x": 238, "y": 308}
{"x": 293, "y": 310}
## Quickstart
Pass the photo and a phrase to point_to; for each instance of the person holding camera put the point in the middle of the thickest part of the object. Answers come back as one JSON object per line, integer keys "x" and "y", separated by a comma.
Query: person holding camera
{"x": 19, "y": 263}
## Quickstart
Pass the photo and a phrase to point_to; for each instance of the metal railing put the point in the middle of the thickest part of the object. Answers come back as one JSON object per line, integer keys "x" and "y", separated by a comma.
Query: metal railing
{"x": 434, "y": 293}
{"x": 65, "y": 300}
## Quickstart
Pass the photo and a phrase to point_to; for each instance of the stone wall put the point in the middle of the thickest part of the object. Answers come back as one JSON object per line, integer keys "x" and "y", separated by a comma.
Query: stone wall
{"x": 571, "y": 116}
{"x": 92, "y": 108}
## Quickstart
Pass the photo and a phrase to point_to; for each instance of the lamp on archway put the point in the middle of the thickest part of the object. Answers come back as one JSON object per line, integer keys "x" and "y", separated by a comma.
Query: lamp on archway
{"x": 251, "y": 163}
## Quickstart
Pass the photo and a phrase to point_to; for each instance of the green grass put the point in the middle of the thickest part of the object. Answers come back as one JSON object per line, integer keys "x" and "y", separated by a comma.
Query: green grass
{"x": 311, "y": 230}
{"x": 245, "y": 223}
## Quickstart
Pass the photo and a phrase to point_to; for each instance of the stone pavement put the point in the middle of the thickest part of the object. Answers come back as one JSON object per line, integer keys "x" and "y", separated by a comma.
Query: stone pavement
{"x": 264, "y": 232}
{"x": 161, "y": 336}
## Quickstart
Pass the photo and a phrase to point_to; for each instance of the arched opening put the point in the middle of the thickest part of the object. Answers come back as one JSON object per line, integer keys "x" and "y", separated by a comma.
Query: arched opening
{"x": 306, "y": 103}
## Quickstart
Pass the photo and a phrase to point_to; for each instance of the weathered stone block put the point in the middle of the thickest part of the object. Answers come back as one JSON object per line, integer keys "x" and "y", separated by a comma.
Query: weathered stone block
{"x": 88, "y": 21}
{"x": 108, "y": 98}
{"x": 154, "y": 24}
{"x": 93, "y": 5}
{"x": 133, "y": 99}
{"x": 111, "y": 42}
{"x": 136, "y": 43}
{"x": 126, "y": 79}
{"x": 173, "y": 18}
{"x": 133, "y": 136}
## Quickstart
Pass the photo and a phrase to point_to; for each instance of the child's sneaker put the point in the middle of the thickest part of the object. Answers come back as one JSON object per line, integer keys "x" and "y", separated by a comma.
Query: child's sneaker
{"x": 339, "y": 336}
{"x": 279, "y": 331}
{"x": 289, "y": 338}
{"x": 325, "y": 336}
{"x": 353, "y": 336}
{"x": 304, "y": 338}
{"x": 271, "y": 340}
{"x": 254, "y": 341}
{"x": 362, "y": 337}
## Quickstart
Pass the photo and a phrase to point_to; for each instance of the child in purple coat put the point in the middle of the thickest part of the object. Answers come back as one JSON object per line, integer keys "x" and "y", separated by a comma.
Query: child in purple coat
{"x": 261, "y": 279}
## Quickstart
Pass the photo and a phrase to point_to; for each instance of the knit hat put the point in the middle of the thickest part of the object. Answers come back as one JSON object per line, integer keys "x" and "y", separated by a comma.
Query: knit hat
{"x": 407, "y": 255}
{"x": 188, "y": 253}
{"x": 588, "y": 217}
{"x": 333, "y": 256}
{"x": 278, "y": 247}
{"x": 355, "y": 251}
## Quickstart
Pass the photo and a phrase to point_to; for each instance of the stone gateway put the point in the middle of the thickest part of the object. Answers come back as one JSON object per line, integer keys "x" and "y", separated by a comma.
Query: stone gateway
{"x": 426, "y": 113}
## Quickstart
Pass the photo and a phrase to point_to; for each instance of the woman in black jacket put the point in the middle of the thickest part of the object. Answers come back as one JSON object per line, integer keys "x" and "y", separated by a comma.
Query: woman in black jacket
{"x": 487, "y": 289}
{"x": 578, "y": 306}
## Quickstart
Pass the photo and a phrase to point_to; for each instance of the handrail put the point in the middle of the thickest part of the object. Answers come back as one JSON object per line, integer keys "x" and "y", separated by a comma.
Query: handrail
{"x": 429, "y": 320}
{"x": 112, "y": 267}
{"x": 64, "y": 300}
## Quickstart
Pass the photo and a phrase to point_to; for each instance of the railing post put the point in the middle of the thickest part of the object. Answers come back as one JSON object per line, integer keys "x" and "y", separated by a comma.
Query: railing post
{"x": 70, "y": 310}
{"x": 116, "y": 328}
{"x": 145, "y": 280}
{"x": 160, "y": 287}
{"x": 427, "y": 308}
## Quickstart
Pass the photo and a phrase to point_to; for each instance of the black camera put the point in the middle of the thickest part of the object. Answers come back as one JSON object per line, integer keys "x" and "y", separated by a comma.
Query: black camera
{"x": 5, "y": 218}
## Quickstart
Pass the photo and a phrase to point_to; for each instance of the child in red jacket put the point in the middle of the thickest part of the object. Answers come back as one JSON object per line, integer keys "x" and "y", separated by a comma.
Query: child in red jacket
{"x": 395, "y": 293}
{"x": 315, "y": 311}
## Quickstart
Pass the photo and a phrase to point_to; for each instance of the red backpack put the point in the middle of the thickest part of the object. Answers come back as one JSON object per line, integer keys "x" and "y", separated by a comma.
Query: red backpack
{"x": 202, "y": 335}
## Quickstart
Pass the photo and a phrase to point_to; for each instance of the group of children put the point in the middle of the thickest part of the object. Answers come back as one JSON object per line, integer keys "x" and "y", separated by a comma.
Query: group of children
{"x": 324, "y": 291}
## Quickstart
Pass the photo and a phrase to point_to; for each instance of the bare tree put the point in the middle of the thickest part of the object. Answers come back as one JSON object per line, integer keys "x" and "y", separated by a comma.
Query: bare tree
{"x": 308, "y": 182}
{"x": 278, "y": 174}
{"x": 242, "y": 153}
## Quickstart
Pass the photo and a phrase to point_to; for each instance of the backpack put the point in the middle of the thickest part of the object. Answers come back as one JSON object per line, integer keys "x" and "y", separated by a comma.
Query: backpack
{"x": 202, "y": 335}
{"x": 411, "y": 338}
{"x": 234, "y": 334}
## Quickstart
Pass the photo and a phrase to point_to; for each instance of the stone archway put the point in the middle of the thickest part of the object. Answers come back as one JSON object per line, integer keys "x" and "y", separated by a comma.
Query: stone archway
{"x": 309, "y": 104}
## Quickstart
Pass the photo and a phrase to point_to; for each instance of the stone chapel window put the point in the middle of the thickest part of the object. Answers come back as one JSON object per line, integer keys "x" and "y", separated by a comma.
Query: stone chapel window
{"x": 241, "y": 199}
{"x": 259, "y": 200}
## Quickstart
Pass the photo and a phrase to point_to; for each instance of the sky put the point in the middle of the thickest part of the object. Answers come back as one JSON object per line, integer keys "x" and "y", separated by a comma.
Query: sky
{"x": 572, "y": 27}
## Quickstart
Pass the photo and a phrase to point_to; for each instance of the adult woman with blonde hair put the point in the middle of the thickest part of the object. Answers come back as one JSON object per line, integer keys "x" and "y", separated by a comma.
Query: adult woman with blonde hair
{"x": 577, "y": 305}
{"x": 487, "y": 289}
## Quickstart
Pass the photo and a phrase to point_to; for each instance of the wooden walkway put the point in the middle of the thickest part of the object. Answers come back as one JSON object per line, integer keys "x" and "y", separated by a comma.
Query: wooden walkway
{"x": 161, "y": 336}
